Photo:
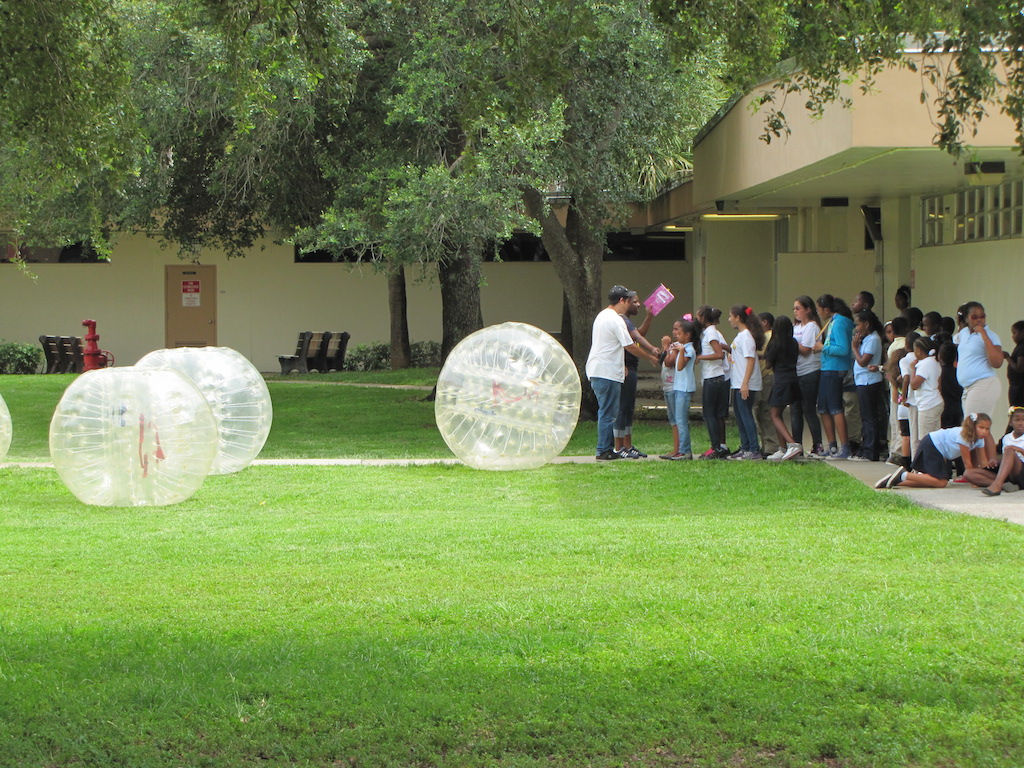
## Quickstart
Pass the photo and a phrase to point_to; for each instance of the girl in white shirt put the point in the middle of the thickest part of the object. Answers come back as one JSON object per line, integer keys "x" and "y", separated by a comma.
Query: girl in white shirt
{"x": 806, "y": 328}
{"x": 746, "y": 376}
{"x": 714, "y": 383}
{"x": 925, "y": 373}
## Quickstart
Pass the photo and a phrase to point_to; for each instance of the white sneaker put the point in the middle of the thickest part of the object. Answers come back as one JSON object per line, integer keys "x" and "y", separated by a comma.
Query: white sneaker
{"x": 779, "y": 455}
{"x": 792, "y": 451}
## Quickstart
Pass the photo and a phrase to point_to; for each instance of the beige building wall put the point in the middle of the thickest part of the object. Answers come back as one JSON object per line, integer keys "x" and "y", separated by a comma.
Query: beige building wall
{"x": 734, "y": 264}
{"x": 265, "y": 299}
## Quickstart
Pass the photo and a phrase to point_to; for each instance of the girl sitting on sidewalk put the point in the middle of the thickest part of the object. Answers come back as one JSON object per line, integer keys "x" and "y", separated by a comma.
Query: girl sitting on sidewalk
{"x": 932, "y": 465}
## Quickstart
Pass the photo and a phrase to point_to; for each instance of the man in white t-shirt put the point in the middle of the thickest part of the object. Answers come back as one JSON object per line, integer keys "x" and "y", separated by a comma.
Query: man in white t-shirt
{"x": 606, "y": 367}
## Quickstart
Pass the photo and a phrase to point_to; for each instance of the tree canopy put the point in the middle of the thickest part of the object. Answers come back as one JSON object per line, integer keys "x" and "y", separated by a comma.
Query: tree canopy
{"x": 424, "y": 131}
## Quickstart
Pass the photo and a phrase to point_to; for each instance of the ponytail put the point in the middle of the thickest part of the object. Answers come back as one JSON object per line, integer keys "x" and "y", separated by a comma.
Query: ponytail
{"x": 751, "y": 321}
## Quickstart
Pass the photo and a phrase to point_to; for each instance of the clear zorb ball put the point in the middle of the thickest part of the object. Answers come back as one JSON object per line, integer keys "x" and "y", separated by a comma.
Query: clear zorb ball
{"x": 236, "y": 393}
{"x": 130, "y": 437}
{"x": 6, "y": 430}
{"x": 508, "y": 397}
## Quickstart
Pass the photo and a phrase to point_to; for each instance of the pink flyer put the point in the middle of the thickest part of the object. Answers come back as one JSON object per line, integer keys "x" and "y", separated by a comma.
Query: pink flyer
{"x": 658, "y": 300}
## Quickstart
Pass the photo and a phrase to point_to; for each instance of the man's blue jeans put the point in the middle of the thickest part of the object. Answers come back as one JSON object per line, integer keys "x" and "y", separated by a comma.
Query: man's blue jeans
{"x": 608, "y": 393}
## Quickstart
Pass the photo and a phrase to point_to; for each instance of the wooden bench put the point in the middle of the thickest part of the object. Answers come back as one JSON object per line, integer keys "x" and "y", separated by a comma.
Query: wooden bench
{"x": 51, "y": 352}
{"x": 334, "y": 356}
{"x": 70, "y": 354}
{"x": 297, "y": 362}
{"x": 319, "y": 351}
{"x": 316, "y": 357}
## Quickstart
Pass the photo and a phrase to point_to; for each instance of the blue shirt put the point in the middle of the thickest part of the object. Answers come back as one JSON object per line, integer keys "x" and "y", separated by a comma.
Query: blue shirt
{"x": 835, "y": 353}
{"x": 869, "y": 345}
{"x": 948, "y": 442}
{"x": 684, "y": 380}
{"x": 971, "y": 358}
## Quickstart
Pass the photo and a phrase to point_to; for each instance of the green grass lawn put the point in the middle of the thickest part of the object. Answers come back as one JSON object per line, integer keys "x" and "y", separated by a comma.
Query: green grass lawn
{"x": 637, "y": 613}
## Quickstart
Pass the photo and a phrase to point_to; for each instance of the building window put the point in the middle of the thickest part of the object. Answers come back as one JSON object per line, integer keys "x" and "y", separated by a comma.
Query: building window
{"x": 933, "y": 221}
{"x": 77, "y": 253}
{"x": 989, "y": 213}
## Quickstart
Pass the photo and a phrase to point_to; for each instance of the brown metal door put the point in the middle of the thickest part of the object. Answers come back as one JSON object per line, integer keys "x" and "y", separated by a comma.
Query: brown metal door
{"x": 190, "y": 299}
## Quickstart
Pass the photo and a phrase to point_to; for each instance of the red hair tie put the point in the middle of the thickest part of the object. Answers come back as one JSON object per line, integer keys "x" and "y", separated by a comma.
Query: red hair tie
{"x": 749, "y": 310}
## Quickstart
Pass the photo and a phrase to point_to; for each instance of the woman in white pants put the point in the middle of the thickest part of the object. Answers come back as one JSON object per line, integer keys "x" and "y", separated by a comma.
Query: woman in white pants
{"x": 978, "y": 355}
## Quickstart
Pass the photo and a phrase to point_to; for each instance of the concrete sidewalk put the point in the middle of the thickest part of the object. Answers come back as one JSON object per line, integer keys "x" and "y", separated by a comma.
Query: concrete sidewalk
{"x": 955, "y": 497}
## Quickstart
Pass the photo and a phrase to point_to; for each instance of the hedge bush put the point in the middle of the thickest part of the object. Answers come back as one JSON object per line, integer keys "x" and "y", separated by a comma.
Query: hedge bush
{"x": 377, "y": 357}
{"x": 20, "y": 358}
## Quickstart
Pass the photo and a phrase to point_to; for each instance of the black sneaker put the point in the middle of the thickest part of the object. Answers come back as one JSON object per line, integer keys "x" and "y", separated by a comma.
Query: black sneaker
{"x": 633, "y": 453}
{"x": 608, "y": 456}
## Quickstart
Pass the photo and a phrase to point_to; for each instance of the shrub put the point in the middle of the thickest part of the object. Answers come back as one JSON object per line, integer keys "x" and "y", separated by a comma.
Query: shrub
{"x": 20, "y": 358}
{"x": 377, "y": 357}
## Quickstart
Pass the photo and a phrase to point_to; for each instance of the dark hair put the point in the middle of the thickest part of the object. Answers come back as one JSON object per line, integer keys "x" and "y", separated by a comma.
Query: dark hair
{"x": 869, "y": 298}
{"x": 899, "y": 326}
{"x": 934, "y": 319}
{"x": 808, "y": 304}
{"x": 869, "y": 317}
{"x": 688, "y": 327}
{"x": 948, "y": 325}
{"x": 914, "y": 317}
{"x": 903, "y": 292}
{"x": 751, "y": 321}
{"x": 946, "y": 353}
{"x": 941, "y": 338}
{"x": 767, "y": 317}
{"x": 835, "y": 305}
{"x": 782, "y": 347}
{"x": 924, "y": 344}
{"x": 1018, "y": 326}
{"x": 840, "y": 307}
{"x": 961, "y": 316}
{"x": 708, "y": 315}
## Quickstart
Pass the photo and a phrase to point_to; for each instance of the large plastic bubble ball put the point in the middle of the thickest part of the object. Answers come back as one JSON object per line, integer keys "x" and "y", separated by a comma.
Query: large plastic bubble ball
{"x": 236, "y": 393}
{"x": 130, "y": 437}
{"x": 6, "y": 431}
{"x": 508, "y": 397}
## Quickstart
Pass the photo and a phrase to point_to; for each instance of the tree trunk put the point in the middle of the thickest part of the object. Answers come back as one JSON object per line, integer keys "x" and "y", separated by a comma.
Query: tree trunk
{"x": 461, "y": 314}
{"x": 577, "y": 255}
{"x": 401, "y": 350}
{"x": 460, "y": 299}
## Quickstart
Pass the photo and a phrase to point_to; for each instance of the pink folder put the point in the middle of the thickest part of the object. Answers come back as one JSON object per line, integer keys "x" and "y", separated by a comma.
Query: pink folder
{"x": 658, "y": 300}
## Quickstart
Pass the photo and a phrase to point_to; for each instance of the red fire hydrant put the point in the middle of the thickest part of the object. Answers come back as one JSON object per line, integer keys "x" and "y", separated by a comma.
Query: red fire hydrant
{"x": 93, "y": 356}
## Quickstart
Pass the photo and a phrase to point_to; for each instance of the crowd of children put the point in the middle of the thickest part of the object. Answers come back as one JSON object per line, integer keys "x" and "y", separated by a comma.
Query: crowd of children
{"x": 916, "y": 391}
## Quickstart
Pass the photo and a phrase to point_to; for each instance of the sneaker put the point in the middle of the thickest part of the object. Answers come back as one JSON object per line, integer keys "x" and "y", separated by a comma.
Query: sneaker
{"x": 639, "y": 454}
{"x": 962, "y": 481}
{"x": 842, "y": 454}
{"x": 779, "y": 455}
{"x": 792, "y": 451}
{"x": 752, "y": 456}
{"x": 1010, "y": 487}
{"x": 710, "y": 453}
{"x": 609, "y": 456}
{"x": 682, "y": 457}
{"x": 737, "y": 454}
{"x": 666, "y": 456}
{"x": 632, "y": 453}
{"x": 723, "y": 453}
{"x": 820, "y": 453}
{"x": 894, "y": 478}
{"x": 860, "y": 458}
{"x": 883, "y": 482}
